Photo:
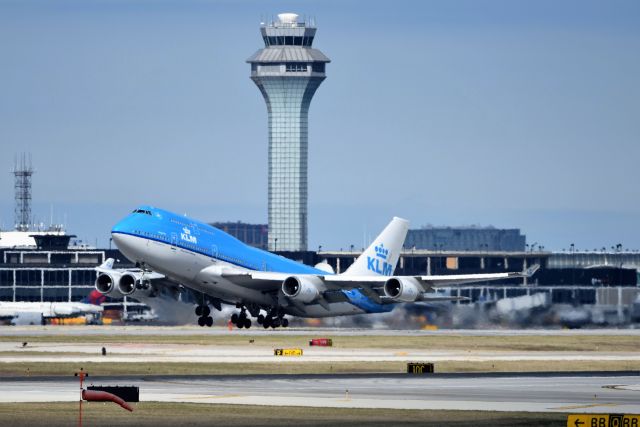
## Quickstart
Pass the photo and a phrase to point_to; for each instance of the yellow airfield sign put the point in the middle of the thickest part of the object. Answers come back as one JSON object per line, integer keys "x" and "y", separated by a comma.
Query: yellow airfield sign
{"x": 287, "y": 352}
{"x": 603, "y": 420}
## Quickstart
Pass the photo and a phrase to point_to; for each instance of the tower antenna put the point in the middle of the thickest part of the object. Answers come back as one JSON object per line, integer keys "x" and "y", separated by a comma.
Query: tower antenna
{"x": 22, "y": 172}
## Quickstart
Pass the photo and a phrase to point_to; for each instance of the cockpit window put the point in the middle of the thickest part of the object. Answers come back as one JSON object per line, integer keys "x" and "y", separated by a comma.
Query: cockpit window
{"x": 142, "y": 211}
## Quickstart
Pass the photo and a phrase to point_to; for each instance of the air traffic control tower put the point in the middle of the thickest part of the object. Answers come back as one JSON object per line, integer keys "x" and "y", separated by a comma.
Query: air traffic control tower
{"x": 288, "y": 71}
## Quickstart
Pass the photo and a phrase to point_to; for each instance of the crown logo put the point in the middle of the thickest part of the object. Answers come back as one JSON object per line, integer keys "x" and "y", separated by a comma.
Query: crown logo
{"x": 186, "y": 230}
{"x": 381, "y": 251}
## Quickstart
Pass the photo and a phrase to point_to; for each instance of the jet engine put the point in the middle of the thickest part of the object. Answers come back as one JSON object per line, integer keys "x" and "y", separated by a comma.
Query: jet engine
{"x": 106, "y": 283}
{"x": 302, "y": 289}
{"x": 128, "y": 283}
{"x": 403, "y": 289}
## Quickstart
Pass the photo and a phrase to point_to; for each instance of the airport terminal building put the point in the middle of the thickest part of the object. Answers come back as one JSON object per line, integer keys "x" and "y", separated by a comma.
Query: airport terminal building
{"x": 53, "y": 272}
{"x": 466, "y": 239}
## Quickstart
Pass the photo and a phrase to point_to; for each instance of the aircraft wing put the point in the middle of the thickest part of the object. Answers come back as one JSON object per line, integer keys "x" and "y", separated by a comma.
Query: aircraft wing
{"x": 147, "y": 283}
{"x": 428, "y": 282}
{"x": 371, "y": 286}
{"x": 107, "y": 267}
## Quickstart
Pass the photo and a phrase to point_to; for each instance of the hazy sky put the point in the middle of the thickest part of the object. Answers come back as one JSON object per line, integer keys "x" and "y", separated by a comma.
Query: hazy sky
{"x": 507, "y": 113}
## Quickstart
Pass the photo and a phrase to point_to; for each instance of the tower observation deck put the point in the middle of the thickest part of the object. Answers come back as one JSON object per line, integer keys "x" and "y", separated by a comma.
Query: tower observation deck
{"x": 288, "y": 71}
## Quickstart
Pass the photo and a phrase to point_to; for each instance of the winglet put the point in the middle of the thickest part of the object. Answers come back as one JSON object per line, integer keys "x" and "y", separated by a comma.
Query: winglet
{"x": 381, "y": 257}
{"x": 108, "y": 264}
{"x": 531, "y": 270}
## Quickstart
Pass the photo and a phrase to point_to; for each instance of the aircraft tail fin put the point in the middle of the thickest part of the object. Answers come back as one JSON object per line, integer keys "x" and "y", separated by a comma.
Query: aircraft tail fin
{"x": 381, "y": 257}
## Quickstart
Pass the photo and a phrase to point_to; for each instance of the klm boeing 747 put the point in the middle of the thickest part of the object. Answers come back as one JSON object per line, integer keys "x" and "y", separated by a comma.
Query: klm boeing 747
{"x": 174, "y": 251}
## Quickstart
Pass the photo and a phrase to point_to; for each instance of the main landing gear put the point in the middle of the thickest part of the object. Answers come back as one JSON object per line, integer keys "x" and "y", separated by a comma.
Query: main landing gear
{"x": 273, "y": 319}
{"x": 241, "y": 320}
{"x": 203, "y": 312}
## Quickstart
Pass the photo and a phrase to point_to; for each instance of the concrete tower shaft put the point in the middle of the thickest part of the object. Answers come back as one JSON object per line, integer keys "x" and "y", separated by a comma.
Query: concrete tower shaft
{"x": 288, "y": 71}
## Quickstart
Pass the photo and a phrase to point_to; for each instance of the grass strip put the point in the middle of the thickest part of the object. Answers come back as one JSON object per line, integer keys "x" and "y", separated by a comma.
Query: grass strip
{"x": 192, "y": 414}
{"x": 590, "y": 343}
{"x": 29, "y": 369}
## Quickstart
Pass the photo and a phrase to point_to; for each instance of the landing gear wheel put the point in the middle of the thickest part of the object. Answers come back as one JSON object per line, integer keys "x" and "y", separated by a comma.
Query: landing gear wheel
{"x": 247, "y": 323}
{"x": 276, "y": 323}
{"x": 260, "y": 319}
{"x": 201, "y": 321}
{"x": 209, "y": 321}
{"x": 199, "y": 310}
{"x": 206, "y": 311}
{"x": 234, "y": 318}
{"x": 242, "y": 321}
{"x": 266, "y": 322}
{"x": 285, "y": 323}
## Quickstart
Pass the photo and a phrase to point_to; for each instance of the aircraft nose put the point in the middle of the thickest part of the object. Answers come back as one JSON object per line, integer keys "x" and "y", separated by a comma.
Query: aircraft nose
{"x": 117, "y": 238}
{"x": 118, "y": 228}
{"x": 129, "y": 245}
{"x": 118, "y": 233}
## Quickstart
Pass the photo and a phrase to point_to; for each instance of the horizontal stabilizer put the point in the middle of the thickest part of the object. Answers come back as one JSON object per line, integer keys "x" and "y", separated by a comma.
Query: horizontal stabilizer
{"x": 438, "y": 299}
{"x": 532, "y": 270}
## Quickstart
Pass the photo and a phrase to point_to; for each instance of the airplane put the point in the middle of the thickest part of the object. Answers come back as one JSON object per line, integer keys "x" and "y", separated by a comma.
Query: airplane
{"x": 176, "y": 251}
{"x": 36, "y": 312}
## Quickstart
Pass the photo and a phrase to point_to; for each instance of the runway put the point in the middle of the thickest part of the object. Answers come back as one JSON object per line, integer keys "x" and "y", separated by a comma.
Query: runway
{"x": 543, "y": 392}
{"x": 135, "y": 330}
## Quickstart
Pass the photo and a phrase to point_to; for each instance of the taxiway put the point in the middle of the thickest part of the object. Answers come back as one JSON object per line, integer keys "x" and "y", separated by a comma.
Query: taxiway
{"x": 544, "y": 392}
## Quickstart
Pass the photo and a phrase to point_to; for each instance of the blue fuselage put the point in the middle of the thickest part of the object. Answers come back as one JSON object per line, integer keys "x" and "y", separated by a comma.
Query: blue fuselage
{"x": 195, "y": 236}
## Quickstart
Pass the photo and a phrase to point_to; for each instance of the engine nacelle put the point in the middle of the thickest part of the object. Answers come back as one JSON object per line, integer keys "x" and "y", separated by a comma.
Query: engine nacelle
{"x": 302, "y": 289}
{"x": 128, "y": 283}
{"x": 403, "y": 289}
{"x": 106, "y": 283}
